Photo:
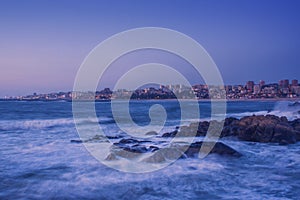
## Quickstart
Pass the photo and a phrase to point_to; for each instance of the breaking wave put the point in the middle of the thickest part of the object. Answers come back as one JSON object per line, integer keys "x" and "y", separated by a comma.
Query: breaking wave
{"x": 288, "y": 109}
{"x": 7, "y": 125}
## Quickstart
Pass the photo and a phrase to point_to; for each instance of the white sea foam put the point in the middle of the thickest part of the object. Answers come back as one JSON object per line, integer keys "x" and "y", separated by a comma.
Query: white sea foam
{"x": 283, "y": 108}
{"x": 47, "y": 123}
{"x": 34, "y": 124}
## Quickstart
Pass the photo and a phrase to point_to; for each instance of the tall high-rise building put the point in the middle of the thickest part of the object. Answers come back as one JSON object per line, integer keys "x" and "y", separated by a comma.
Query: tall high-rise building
{"x": 295, "y": 82}
{"x": 250, "y": 85}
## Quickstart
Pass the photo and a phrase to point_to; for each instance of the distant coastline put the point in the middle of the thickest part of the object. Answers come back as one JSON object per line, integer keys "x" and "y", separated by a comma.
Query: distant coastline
{"x": 109, "y": 100}
{"x": 281, "y": 91}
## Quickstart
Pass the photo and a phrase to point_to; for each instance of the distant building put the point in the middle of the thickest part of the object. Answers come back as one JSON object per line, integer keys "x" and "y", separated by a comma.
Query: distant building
{"x": 295, "y": 83}
{"x": 256, "y": 89}
{"x": 283, "y": 84}
{"x": 249, "y": 86}
{"x": 262, "y": 83}
{"x": 296, "y": 90}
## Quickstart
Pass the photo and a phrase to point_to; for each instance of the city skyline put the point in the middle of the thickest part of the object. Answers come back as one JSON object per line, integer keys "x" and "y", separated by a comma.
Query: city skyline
{"x": 44, "y": 43}
{"x": 285, "y": 88}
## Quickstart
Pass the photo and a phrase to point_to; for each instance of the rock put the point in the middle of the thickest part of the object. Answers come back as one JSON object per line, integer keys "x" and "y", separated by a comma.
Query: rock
{"x": 230, "y": 120}
{"x": 182, "y": 151}
{"x": 295, "y": 124}
{"x": 269, "y": 128}
{"x": 162, "y": 155}
{"x": 126, "y": 152}
{"x": 153, "y": 148}
{"x": 113, "y": 137}
{"x": 127, "y": 141}
{"x": 219, "y": 148}
{"x": 94, "y": 139}
{"x": 136, "y": 149}
{"x": 266, "y": 129}
{"x": 76, "y": 141}
{"x": 152, "y": 133}
{"x": 202, "y": 128}
{"x": 170, "y": 134}
{"x": 284, "y": 119}
{"x": 230, "y": 127}
{"x": 284, "y": 134}
{"x": 131, "y": 148}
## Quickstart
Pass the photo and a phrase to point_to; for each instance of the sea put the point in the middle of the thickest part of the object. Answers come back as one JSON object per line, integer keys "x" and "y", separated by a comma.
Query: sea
{"x": 39, "y": 161}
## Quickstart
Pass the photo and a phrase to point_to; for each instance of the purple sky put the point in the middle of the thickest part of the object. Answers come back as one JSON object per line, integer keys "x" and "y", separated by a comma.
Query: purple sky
{"x": 43, "y": 43}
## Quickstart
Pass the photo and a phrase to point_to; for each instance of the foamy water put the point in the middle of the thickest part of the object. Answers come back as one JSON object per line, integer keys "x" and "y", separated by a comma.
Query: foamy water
{"x": 37, "y": 159}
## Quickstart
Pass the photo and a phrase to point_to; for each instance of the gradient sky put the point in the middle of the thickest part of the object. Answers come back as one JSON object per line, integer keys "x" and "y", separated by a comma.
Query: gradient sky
{"x": 43, "y": 43}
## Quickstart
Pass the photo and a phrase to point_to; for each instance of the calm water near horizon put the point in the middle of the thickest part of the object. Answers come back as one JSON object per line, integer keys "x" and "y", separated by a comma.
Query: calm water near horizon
{"x": 38, "y": 161}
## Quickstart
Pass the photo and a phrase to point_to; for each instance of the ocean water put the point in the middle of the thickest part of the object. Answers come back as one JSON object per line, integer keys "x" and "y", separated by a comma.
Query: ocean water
{"x": 38, "y": 161}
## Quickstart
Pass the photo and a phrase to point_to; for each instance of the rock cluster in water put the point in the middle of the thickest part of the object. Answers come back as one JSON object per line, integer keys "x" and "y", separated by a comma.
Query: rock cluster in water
{"x": 265, "y": 129}
{"x": 132, "y": 148}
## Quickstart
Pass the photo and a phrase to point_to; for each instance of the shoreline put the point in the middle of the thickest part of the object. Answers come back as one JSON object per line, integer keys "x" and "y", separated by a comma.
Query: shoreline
{"x": 199, "y": 100}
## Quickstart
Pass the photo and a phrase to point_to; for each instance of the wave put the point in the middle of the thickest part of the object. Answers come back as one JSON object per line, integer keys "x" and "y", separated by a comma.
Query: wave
{"x": 34, "y": 124}
{"x": 287, "y": 109}
{"x": 6, "y": 125}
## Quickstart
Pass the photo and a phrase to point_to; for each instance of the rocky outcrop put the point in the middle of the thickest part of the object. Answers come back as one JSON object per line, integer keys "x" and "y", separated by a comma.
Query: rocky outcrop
{"x": 261, "y": 128}
{"x": 266, "y": 129}
{"x": 218, "y": 148}
{"x": 183, "y": 151}
{"x": 132, "y": 148}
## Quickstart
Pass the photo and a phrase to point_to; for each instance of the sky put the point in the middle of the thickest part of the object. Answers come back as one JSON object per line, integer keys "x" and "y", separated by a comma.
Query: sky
{"x": 43, "y": 43}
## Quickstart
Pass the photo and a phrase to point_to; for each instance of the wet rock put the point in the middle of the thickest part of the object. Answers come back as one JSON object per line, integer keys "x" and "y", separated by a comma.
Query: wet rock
{"x": 152, "y": 133}
{"x": 218, "y": 148}
{"x": 127, "y": 141}
{"x": 284, "y": 134}
{"x": 132, "y": 148}
{"x": 230, "y": 121}
{"x": 202, "y": 128}
{"x": 162, "y": 155}
{"x": 182, "y": 151}
{"x": 136, "y": 149}
{"x": 113, "y": 137}
{"x": 266, "y": 129}
{"x": 153, "y": 148}
{"x": 260, "y": 128}
{"x": 125, "y": 152}
{"x": 76, "y": 141}
{"x": 170, "y": 134}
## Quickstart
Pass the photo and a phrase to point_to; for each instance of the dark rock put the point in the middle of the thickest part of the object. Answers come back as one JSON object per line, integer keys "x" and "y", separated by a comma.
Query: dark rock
{"x": 189, "y": 131}
{"x": 153, "y": 148}
{"x": 130, "y": 145}
{"x": 230, "y": 120}
{"x": 122, "y": 152}
{"x": 76, "y": 141}
{"x": 219, "y": 148}
{"x": 113, "y": 137}
{"x": 162, "y": 155}
{"x": 152, "y": 133}
{"x": 202, "y": 128}
{"x": 269, "y": 128}
{"x": 136, "y": 149}
{"x": 265, "y": 129}
{"x": 127, "y": 141}
{"x": 284, "y": 119}
{"x": 182, "y": 151}
{"x": 284, "y": 134}
{"x": 170, "y": 134}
